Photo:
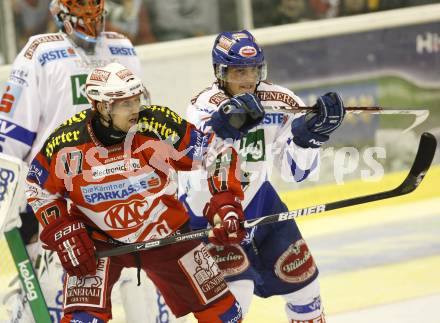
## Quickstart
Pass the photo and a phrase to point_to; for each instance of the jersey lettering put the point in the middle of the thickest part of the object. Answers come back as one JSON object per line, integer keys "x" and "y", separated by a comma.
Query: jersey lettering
{"x": 122, "y": 51}
{"x": 6, "y": 127}
{"x": 56, "y": 54}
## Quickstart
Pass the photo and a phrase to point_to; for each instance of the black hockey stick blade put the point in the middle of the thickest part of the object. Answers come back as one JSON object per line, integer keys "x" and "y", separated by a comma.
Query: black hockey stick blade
{"x": 422, "y": 162}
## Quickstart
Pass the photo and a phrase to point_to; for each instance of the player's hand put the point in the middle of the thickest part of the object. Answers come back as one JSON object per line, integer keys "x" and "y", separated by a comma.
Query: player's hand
{"x": 69, "y": 238}
{"x": 225, "y": 213}
{"x": 237, "y": 116}
{"x": 314, "y": 128}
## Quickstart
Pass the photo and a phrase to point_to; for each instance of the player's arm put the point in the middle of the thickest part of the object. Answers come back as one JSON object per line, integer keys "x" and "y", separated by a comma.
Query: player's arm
{"x": 231, "y": 120}
{"x": 301, "y": 136}
{"x": 194, "y": 149}
{"x": 46, "y": 189}
{"x": 20, "y": 105}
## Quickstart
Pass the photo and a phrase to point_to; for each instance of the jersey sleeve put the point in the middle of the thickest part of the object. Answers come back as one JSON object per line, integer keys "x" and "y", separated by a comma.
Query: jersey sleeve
{"x": 202, "y": 107}
{"x": 191, "y": 149}
{"x": 20, "y": 105}
{"x": 46, "y": 188}
{"x": 294, "y": 162}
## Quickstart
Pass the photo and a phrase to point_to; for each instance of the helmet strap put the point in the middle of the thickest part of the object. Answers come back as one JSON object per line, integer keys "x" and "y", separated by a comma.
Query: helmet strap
{"x": 112, "y": 132}
{"x": 68, "y": 28}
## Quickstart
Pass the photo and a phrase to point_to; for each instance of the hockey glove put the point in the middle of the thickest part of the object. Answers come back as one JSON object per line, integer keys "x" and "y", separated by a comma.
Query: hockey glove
{"x": 224, "y": 213}
{"x": 237, "y": 116}
{"x": 69, "y": 238}
{"x": 314, "y": 128}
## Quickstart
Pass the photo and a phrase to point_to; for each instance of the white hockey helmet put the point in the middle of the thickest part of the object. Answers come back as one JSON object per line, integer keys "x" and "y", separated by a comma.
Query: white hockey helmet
{"x": 113, "y": 82}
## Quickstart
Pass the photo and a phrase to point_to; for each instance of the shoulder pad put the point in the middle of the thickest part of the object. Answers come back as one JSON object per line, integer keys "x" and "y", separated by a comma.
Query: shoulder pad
{"x": 271, "y": 94}
{"x": 211, "y": 95}
{"x": 163, "y": 123}
{"x": 35, "y": 41}
{"x": 67, "y": 134}
{"x": 113, "y": 35}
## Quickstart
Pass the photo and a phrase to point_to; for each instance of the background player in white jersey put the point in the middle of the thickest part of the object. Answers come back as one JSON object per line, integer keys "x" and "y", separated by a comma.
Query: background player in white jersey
{"x": 273, "y": 259}
{"x": 46, "y": 87}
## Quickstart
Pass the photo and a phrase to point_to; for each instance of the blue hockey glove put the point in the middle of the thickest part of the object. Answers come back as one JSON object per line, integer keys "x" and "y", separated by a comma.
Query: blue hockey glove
{"x": 314, "y": 128}
{"x": 237, "y": 116}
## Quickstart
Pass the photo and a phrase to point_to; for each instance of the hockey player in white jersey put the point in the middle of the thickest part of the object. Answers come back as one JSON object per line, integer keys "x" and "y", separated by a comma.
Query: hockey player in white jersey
{"x": 46, "y": 81}
{"x": 272, "y": 259}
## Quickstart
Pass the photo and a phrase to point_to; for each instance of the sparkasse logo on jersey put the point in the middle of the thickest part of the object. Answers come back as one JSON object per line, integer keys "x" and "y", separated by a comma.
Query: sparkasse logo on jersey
{"x": 78, "y": 83}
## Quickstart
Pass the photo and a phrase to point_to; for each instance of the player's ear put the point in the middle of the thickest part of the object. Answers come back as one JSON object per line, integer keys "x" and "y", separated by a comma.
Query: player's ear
{"x": 100, "y": 107}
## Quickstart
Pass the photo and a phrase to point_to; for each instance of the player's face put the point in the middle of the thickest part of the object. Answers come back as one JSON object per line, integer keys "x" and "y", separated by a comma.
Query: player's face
{"x": 241, "y": 80}
{"x": 125, "y": 112}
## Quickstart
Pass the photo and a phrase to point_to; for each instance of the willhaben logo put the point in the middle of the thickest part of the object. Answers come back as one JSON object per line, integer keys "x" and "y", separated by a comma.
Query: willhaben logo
{"x": 115, "y": 168}
{"x": 26, "y": 273}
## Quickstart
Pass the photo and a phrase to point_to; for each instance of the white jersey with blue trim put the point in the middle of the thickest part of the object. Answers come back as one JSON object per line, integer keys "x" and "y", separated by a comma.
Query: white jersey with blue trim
{"x": 46, "y": 87}
{"x": 266, "y": 146}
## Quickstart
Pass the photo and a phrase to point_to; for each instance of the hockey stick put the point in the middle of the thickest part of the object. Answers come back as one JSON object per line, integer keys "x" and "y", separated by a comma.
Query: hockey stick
{"x": 12, "y": 174}
{"x": 420, "y": 114}
{"x": 422, "y": 162}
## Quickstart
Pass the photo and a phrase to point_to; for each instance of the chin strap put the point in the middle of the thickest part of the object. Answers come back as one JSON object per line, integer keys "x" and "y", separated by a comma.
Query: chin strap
{"x": 112, "y": 131}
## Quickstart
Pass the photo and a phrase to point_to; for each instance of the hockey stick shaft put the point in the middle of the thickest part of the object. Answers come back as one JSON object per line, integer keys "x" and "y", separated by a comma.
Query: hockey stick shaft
{"x": 420, "y": 114}
{"x": 27, "y": 276}
{"x": 422, "y": 162}
{"x": 371, "y": 110}
{"x": 13, "y": 171}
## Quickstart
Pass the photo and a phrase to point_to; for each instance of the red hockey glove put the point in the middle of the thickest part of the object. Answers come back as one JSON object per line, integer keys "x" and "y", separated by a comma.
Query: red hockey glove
{"x": 69, "y": 238}
{"x": 225, "y": 213}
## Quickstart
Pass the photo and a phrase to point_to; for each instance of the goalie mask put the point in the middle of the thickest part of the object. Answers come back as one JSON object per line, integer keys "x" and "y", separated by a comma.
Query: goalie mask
{"x": 82, "y": 20}
{"x": 120, "y": 94}
{"x": 240, "y": 51}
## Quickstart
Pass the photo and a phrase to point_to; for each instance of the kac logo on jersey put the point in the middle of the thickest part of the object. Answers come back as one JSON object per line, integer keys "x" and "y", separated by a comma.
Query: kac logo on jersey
{"x": 122, "y": 51}
{"x": 56, "y": 54}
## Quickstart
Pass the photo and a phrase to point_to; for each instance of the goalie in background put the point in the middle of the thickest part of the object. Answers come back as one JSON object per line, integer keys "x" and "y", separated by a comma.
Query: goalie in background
{"x": 46, "y": 87}
{"x": 107, "y": 177}
{"x": 273, "y": 259}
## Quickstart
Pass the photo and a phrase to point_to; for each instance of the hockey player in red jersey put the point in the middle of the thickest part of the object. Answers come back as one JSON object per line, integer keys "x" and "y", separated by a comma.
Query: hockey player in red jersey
{"x": 55, "y": 65}
{"x": 106, "y": 177}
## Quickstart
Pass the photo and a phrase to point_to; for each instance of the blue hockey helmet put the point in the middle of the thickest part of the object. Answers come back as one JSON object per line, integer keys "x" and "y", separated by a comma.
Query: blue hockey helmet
{"x": 237, "y": 49}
